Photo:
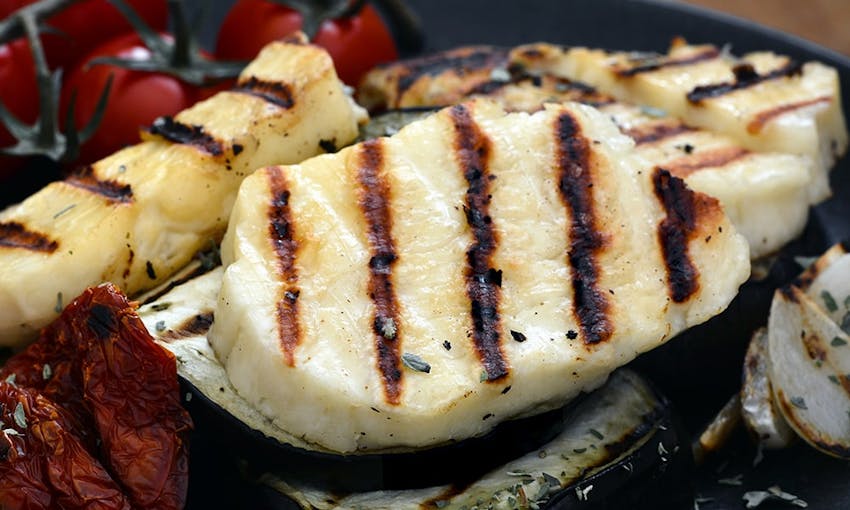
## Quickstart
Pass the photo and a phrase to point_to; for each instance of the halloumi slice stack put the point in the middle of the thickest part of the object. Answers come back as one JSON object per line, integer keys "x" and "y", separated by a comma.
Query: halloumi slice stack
{"x": 475, "y": 267}
{"x": 139, "y": 215}
{"x": 764, "y": 101}
{"x": 766, "y": 194}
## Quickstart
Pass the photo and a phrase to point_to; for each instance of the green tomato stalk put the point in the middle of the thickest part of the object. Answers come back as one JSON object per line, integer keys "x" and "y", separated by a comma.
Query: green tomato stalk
{"x": 44, "y": 137}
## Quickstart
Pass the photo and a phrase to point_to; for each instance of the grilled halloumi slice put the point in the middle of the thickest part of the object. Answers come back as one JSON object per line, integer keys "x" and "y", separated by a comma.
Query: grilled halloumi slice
{"x": 765, "y": 194}
{"x": 135, "y": 217}
{"x": 474, "y": 267}
{"x": 765, "y": 102}
{"x": 439, "y": 79}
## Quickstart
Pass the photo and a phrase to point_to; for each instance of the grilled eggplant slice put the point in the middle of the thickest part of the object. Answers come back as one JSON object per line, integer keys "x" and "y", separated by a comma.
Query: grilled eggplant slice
{"x": 765, "y": 102}
{"x": 620, "y": 434}
{"x": 139, "y": 215}
{"x": 616, "y": 443}
{"x": 764, "y": 193}
{"x": 476, "y": 267}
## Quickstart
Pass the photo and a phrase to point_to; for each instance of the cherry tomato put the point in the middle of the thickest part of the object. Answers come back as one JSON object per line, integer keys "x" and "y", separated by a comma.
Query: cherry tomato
{"x": 136, "y": 100}
{"x": 18, "y": 93}
{"x": 356, "y": 44}
{"x": 83, "y": 25}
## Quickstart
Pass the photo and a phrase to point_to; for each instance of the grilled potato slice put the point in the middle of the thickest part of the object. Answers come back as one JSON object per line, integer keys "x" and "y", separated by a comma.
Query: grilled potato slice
{"x": 475, "y": 267}
{"x": 765, "y": 102}
{"x": 139, "y": 215}
{"x": 809, "y": 360}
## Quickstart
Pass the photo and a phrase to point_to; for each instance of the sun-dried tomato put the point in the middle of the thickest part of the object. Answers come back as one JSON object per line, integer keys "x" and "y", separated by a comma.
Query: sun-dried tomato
{"x": 43, "y": 464}
{"x": 105, "y": 369}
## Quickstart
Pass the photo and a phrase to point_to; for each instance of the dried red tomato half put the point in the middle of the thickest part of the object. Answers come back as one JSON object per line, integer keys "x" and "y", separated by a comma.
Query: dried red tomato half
{"x": 98, "y": 361}
{"x": 43, "y": 464}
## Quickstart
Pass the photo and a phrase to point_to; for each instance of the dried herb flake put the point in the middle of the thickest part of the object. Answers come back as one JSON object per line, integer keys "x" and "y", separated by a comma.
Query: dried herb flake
{"x": 414, "y": 362}
{"x": 799, "y": 402}
{"x": 20, "y": 417}
{"x": 829, "y": 301}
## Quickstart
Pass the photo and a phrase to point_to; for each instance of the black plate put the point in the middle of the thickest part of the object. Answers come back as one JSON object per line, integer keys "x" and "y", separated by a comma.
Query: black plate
{"x": 627, "y": 25}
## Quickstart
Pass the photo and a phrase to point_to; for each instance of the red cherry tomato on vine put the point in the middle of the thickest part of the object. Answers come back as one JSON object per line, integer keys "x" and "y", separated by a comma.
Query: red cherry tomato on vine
{"x": 356, "y": 44}
{"x": 136, "y": 98}
{"x": 82, "y": 26}
{"x": 19, "y": 95}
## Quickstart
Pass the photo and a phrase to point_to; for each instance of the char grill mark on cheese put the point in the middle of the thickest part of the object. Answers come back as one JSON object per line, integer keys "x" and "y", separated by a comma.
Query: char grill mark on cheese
{"x": 745, "y": 76}
{"x": 590, "y": 303}
{"x": 755, "y": 126}
{"x": 16, "y": 235}
{"x": 285, "y": 249}
{"x": 483, "y": 282}
{"x": 193, "y": 135}
{"x": 674, "y": 232}
{"x": 196, "y": 325}
{"x": 652, "y": 132}
{"x": 721, "y": 156}
{"x": 661, "y": 63}
{"x": 462, "y": 62}
{"x": 276, "y": 93}
{"x": 109, "y": 189}
{"x": 374, "y": 198}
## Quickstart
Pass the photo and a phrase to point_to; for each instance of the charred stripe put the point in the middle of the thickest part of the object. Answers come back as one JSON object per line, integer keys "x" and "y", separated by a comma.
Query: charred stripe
{"x": 374, "y": 201}
{"x": 745, "y": 76}
{"x": 113, "y": 191}
{"x": 285, "y": 248}
{"x": 655, "y": 64}
{"x": 656, "y": 131}
{"x": 16, "y": 235}
{"x": 585, "y": 240}
{"x": 185, "y": 134}
{"x": 463, "y": 61}
{"x": 276, "y": 93}
{"x": 483, "y": 282}
{"x": 196, "y": 325}
{"x": 673, "y": 233}
{"x": 761, "y": 118}
{"x": 719, "y": 157}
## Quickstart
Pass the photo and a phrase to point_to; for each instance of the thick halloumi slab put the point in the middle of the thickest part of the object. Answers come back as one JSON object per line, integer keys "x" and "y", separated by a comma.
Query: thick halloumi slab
{"x": 137, "y": 216}
{"x": 475, "y": 267}
{"x": 764, "y": 101}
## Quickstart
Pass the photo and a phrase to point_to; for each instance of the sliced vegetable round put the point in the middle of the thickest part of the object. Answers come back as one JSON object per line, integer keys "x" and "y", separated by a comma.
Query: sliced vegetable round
{"x": 809, "y": 364}
{"x": 761, "y": 415}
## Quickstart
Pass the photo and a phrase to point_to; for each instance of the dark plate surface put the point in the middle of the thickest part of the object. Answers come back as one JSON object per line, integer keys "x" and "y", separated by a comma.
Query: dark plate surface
{"x": 631, "y": 25}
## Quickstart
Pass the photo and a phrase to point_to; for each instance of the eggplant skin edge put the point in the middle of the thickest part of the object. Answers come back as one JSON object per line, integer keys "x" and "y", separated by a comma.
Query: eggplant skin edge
{"x": 586, "y": 466}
